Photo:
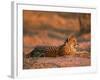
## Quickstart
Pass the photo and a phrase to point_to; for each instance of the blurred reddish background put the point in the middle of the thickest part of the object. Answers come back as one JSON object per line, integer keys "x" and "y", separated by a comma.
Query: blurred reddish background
{"x": 52, "y": 28}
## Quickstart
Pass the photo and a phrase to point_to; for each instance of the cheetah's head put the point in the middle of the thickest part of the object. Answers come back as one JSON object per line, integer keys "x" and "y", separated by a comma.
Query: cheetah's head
{"x": 72, "y": 41}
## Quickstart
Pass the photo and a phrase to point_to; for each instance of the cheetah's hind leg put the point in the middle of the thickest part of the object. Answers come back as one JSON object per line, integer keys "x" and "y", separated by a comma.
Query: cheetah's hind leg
{"x": 36, "y": 54}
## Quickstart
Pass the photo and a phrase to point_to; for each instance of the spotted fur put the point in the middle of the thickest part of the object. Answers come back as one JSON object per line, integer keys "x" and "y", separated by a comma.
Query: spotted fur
{"x": 67, "y": 48}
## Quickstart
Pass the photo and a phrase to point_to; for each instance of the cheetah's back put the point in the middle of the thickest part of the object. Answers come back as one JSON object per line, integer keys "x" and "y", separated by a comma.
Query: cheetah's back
{"x": 47, "y": 51}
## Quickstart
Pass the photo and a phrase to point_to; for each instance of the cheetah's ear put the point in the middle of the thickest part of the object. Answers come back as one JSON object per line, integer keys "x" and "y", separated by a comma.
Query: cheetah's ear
{"x": 71, "y": 37}
{"x": 66, "y": 41}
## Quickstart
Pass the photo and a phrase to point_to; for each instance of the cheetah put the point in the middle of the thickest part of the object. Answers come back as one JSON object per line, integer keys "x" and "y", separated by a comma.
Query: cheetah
{"x": 69, "y": 47}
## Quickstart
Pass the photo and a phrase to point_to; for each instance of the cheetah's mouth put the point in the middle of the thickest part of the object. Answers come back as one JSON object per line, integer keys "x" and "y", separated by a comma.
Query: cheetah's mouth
{"x": 76, "y": 45}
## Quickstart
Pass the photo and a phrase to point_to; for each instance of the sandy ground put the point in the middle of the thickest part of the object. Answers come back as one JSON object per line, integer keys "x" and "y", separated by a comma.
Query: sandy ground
{"x": 55, "y": 62}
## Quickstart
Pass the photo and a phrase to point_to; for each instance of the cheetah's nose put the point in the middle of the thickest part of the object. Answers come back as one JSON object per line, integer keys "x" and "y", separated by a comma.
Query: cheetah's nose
{"x": 78, "y": 45}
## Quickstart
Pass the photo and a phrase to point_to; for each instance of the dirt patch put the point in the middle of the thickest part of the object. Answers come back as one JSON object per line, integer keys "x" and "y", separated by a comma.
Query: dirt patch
{"x": 55, "y": 62}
